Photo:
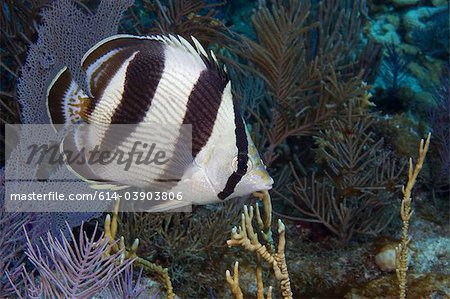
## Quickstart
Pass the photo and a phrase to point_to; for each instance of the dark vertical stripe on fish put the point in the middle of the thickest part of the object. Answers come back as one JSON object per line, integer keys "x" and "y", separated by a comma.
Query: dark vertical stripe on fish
{"x": 203, "y": 105}
{"x": 56, "y": 95}
{"x": 242, "y": 146}
{"x": 201, "y": 112}
{"x": 141, "y": 80}
{"x": 102, "y": 77}
{"x": 108, "y": 46}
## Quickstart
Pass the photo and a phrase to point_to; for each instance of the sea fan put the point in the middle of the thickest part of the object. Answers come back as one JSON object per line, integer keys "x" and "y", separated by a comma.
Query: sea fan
{"x": 125, "y": 286}
{"x": 65, "y": 32}
{"x": 79, "y": 268}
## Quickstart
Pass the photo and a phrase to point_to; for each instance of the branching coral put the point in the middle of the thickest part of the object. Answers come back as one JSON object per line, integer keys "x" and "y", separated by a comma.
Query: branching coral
{"x": 394, "y": 69}
{"x": 78, "y": 268}
{"x": 246, "y": 237}
{"x": 13, "y": 241}
{"x": 405, "y": 213}
{"x": 111, "y": 226}
{"x": 322, "y": 39}
{"x": 124, "y": 286}
{"x": 12, "y": 244}
{"x": 356, "y": 193}
{"x": 233, "y": 281}
{"x": 185, "y": 18}
{"x": 190, "y": 245}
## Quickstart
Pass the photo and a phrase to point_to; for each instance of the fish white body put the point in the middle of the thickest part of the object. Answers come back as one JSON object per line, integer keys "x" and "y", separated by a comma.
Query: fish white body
{"x": 160, "y": 85}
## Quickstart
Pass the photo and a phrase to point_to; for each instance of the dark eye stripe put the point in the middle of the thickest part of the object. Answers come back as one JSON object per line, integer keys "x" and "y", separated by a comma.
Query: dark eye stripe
{"x": 242, "y": 146}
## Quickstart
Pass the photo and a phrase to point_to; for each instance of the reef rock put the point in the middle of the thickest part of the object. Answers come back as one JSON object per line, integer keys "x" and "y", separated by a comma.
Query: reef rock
{"x": 384, "y": 30}
{"x": 416, "y": 19}
{"x": 428, "y": 285}
{"x": 404, "y": 2}
{"x": 439, "y": 2}
{"x": 385, "y": 259}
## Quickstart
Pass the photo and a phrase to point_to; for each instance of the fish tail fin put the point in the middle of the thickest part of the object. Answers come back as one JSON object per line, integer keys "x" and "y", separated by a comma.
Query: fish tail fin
{"x": 66, "y": 102}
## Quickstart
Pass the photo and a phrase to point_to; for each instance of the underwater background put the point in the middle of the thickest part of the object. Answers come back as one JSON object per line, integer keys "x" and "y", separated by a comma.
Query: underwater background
{"x": 337, "y": 95}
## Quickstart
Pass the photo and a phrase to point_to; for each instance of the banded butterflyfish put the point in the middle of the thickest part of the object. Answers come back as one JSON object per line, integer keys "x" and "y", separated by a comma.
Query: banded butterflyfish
{"x": 165, "y": 95}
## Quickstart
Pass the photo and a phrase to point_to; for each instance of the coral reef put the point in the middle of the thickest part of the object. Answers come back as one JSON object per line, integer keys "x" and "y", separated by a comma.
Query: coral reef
{"x": 246, "y": 237}
{"x": 415, "y": 19}
{"x": 118, "y": 248}
{"x": 419, "y": 34}
{"x": 17, "y": 33}
{"x": 176, "y": 239}
{"x": 181, "y": 17}
{"x": 125, "y": 286}
{"x": 303, "y": 96}
{"x": 78, "y": 268}
{"x": 404, "y": 2}
{"x": 401, "y": 251}
{"x": 333, "y": 128}
{"x": 421, "y": 286}
{"x": 12, "y": 242}
{"x": 439, "y": 116}
{"x": 355, "y": 191}
{"x": 63, "y": 27}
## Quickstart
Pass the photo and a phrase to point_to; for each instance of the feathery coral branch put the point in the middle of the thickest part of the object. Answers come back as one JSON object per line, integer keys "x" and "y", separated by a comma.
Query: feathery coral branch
{"x": 405, "y": 212}
{"x": 110, "y": 234}
{"x": 246, "y": 237}
{"x": 233, "y": 281}
{"x": 78, "y": 268}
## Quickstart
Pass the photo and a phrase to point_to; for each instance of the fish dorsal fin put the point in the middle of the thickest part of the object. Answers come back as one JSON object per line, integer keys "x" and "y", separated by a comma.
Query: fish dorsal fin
{"x": 180, "y": 42}
{"x": 68, "y": 103}
{"x": 170, "y": 40}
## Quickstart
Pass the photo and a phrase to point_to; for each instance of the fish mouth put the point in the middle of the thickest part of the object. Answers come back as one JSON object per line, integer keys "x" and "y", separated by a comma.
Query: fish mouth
{"x": 265, "y": 179}
{"x": 268, "y": 185}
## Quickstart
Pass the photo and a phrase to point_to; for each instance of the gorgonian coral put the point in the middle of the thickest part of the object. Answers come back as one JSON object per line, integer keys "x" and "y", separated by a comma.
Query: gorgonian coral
{"x": 324, "y": 41}
{"x": 75, "y": 268}
{"x": 357, "y": 190}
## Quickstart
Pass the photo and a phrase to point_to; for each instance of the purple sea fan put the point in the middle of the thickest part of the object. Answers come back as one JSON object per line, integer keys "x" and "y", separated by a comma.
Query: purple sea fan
{"x": 69, "y": 269}
{"x": 13, "y": 241}
{"x": 125, "y": 287}
{"x": 64, "y": 35}
{"x": 66, "y": 31}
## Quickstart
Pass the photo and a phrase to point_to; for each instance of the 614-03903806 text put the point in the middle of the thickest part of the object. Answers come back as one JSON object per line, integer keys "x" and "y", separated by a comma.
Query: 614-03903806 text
{"x": 99, "y": 195}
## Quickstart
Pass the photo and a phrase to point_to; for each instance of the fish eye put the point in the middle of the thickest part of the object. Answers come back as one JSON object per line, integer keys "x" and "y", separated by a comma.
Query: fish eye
{"x": 235, "y": 161}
